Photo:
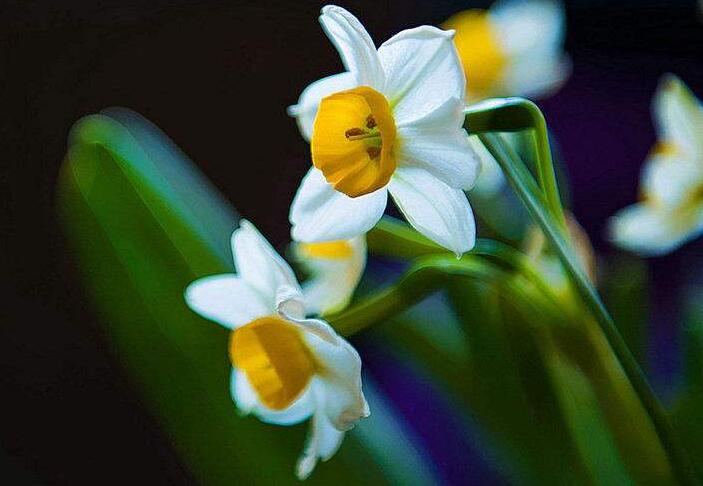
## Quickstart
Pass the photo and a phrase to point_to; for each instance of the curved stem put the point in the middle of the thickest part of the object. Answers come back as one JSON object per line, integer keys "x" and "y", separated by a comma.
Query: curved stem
{"x": 526, "y": 188}
{"x": 394, "y": 238}
{"x": 517, "y": 114}
{"x": 424, "y": 277}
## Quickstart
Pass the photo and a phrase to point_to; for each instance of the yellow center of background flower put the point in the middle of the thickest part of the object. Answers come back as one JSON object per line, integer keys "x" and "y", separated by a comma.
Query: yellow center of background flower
{"x": 664, "y": 148}
{"x": 274, "y": 357}
{"x": 480, "y": 52}
{"x": 329, "y": 250}
{"x": 352, "y": 141}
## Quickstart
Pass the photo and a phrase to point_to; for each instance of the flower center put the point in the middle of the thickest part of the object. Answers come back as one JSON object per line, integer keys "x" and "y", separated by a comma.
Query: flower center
{"x": 663, "y": 148}
{"x": 272, "y": 354}
{"x": 480, "y": 51}
{"x": 329, "y": 250}
{"x": 352, "y": 141}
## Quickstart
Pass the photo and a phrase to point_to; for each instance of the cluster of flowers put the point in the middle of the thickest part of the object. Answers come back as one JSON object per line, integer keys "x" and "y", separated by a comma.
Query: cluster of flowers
{"x": 392, "y": 123}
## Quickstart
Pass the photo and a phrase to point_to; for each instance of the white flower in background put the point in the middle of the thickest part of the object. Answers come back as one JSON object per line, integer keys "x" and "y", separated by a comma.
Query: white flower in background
{"x": 335, "y": 268}
{"x": 513, "y": 49}
{"x": 395, "y": 126}
{"x": 285, "y": 368}
{"x": 670, "y": 212}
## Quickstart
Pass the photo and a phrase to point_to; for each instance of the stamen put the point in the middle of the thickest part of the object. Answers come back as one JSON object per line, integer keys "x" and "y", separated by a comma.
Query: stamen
{"x": 353, "y": 140}
{"x": 355, "y": 132}
{"x": 362, "y": 136}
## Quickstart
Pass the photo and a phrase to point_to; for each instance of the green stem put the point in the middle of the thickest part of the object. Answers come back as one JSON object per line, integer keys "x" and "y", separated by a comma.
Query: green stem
{"x": 517, "y": 114}
{"x": 527, "y": 190}
{"x": 393, "y": 238}
{"x": 424, "y": 277}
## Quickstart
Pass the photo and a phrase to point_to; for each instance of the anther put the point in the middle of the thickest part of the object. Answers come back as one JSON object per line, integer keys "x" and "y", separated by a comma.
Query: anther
{"x": 373, "y": 152}
{"x": 354, "y": 132}
{"x": 361, "y": 136}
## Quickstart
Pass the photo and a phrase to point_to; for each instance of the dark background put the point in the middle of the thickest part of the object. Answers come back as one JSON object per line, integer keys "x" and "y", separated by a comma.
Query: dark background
{"x": 216, "y": 77}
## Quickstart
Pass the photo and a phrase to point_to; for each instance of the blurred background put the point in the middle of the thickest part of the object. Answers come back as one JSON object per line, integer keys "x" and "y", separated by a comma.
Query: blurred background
{"x": 216, "y": 76}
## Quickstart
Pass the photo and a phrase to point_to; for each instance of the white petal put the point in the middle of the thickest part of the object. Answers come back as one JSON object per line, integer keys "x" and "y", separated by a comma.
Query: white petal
{"x": 242, "y": 392}
{"x": 323, "y": 441}
{"x": 225, "y": 299}
{"x": 531, "y": 36}
{"x": 333, "y": 281}
{"x": 524, "y": 26}
{"x": 423, "y": 71}
{"x": 343, "y": 400}
{"x": 679, "y": 116}
{"x": 670, "y": 181}
{"x": 298, "y": 411}
{"x": 317, "y": 327}
{"x": 435, "y": 209}
{"x": 290, "y": 302}
{"x": 306, "y": 109}
{"x": 354, "y": 45}
{"x": 258, "y": 264}
{"x": 329, "y": 437}
{"x": 320, "y": 213}
{"x": 642, "y": 229}
{"x": 537, "y": 74}
{"x": 246, "y": 400}
{"x": 438, "y": 143}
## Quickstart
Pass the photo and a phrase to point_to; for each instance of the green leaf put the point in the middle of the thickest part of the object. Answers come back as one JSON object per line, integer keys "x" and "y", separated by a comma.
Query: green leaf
{"x": 538, "y": 375}
{"x": 624, "y": 284}
{"x": 550, "y": 223}
{"x": 143, "y": 223}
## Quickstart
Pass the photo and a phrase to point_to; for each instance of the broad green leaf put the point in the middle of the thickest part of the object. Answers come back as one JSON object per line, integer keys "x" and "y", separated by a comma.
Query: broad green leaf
{"x": 143, "y": 223}
{"x": 538, "y": 374}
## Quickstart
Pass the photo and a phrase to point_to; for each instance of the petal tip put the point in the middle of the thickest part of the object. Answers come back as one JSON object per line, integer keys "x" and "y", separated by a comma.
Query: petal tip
{"x": 449, "y": 33}
{"x": 245, "y": 226}
{"x": 670, "y": 81}
{"x": 332, "y": 9}
{"x": 460, "y": 250}
{"x": 305, "y": 466}
{"x": 366, "y": 412}
{"x": 293, "y": 110}
{"x": 188, "y": 294}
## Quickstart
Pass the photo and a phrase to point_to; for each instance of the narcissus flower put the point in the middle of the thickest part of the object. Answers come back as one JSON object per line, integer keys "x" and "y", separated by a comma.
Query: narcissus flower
{"x": 670, "y": 212}
{"x": 285, "y": 368}
{"x": 513, "y": 49}
{"x": 335, "y": 268}
{"x": 392, "y": 123}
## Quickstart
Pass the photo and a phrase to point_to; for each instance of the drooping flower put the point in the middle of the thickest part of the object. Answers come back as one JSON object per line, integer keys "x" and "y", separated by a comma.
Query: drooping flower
{"x": 392, "y": 123}
{"x": 285, "y": 368}
{"x": 670, "y": 211}
{"x": 513, "y": 49}
{"x": 335, "y": 269}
